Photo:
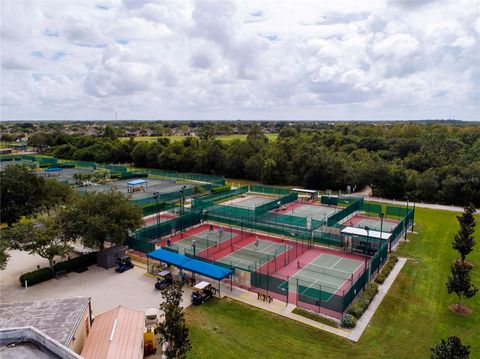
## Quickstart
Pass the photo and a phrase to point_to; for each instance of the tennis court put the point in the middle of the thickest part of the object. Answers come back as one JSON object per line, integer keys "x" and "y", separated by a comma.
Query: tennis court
{"x": 153, "y": 185}
{"x": 326, "y": 274}
{"x": 314, "y": 211}
{"x": 250, "y": 201}
{"x": 203, "y": 240}
{"x": 251, "y": 256}
{"x": 360, "y": 221}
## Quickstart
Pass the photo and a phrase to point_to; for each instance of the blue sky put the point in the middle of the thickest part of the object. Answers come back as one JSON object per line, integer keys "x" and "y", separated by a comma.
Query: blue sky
{"x": 251, "y": 60}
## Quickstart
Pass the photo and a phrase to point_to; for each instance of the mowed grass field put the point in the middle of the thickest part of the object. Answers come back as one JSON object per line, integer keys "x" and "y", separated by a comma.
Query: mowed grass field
{"x": 412, "y": 317}
{"x": 224, "y": 138}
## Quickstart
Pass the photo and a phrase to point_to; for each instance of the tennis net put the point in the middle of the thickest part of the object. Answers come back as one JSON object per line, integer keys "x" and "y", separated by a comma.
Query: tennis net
{"x": 203, "y": 242}
{"x": 253, "y": 253}
{"x": 315, "y": 268}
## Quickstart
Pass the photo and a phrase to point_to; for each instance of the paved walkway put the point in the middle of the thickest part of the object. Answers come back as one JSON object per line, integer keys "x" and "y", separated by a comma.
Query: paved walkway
{"x": 417, "y": 204}
{"x": 372, "y": 308}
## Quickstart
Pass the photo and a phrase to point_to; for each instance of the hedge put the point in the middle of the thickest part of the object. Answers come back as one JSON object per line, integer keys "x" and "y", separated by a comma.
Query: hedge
{"x": 363, "y": 301}
{"x": 220, "y": 189}
{"x": 35, "y": 277}
{"x": 77, "y": 263}
{"x": 387, "y": 268}
{"x": 44, "y": 274}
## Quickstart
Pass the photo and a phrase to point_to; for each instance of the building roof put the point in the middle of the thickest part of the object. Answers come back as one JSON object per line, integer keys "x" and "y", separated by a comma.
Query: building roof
{"x": 362, "y": 232}
{"x": 57, "y": 318}
{"x": 136, "y": 182}
{"x": 29, "y": 342}
{"x": 116, "y": 334}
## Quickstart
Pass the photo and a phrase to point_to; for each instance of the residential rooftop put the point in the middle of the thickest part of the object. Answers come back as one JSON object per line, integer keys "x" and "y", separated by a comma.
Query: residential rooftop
{"x": 57, "y": 318}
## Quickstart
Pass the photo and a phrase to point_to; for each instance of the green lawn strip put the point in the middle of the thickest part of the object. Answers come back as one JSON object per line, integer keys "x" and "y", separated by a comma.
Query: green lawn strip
{"x": 413, "y": 316}
{"x": 315, "y": 317}
{"x": 229, "y": 329}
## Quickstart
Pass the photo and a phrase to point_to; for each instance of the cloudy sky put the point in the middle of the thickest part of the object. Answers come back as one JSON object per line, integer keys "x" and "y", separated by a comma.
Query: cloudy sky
{"x": 251, "y": 60}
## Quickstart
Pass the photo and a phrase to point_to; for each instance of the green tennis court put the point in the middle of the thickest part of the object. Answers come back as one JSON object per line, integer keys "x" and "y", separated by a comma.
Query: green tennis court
{"x": 313, "y": 211}
{"x": 250, "y": 201}
{"x": 251, "y": 257}
{"x": 372, "y": 223}
{"x": 322, "y": 277}
{"x": 203, "y": 240}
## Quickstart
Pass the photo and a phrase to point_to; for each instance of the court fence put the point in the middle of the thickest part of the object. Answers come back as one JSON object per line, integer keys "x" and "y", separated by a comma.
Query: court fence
{"x": 355, "y": 205}
{"x": 209, "y": 200}
{"x": 317, "y": 297}
{"x": 144, "y": 239}
{"x": 291, "y": 197}
{"x": 269, "y": 190}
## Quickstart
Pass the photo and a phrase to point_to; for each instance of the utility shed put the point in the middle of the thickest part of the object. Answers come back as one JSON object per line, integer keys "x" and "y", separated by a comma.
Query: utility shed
{"x": 116, "y": 334}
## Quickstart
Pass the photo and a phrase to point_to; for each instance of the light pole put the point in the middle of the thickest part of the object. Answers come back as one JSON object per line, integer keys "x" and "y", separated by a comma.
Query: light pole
{"x": 367, "y": 245}
{"x": 404, "y": 222}
{"x": 156, "y": 195}
{"x": 381, "y": 215}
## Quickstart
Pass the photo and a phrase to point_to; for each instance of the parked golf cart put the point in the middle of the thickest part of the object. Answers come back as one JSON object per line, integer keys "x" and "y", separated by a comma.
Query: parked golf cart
{"x": 164, "y": 279}
{"x": 202, "y": 292}
{"x": 123, "y": 263}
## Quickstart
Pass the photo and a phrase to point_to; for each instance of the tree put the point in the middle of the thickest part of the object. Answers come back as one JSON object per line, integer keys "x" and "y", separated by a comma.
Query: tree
{"x": 460, "y": 284}
{"x": 20, "y": 192}
{"x": 463, "y": 241}
{"x": 450, "y": 349}
{"x": 173, "y": 327}
{"x": 4, "y": 255}
{"x": 99, "y": 217}
{"x": 24, "y": 193}
{"x": 44, "y": 236}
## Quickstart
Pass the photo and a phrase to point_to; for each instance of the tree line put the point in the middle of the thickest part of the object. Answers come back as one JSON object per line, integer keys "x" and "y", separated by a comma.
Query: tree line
{"x": 437, "y": 163}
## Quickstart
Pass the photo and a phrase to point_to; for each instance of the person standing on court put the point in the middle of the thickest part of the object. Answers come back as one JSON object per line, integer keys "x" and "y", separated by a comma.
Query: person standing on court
{"x": 257, "y": 241}
{"x": 211, "y": 228}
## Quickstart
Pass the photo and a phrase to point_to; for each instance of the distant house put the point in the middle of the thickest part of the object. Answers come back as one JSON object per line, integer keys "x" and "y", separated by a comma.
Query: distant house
{"x": 65, "y": 321}
{"x": 116, "y": 334}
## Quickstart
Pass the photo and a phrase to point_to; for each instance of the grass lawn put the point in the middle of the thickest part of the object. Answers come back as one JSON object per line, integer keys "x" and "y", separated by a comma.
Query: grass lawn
{"x": 224, "y": 138}
{"x": 413, "y": 316}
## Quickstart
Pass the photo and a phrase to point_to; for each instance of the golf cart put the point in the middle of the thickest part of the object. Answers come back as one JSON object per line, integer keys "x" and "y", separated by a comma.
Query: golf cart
{"x": 202, "y": 292}
{"x": 164, "y": 279}
{"x": 123, "y": 263}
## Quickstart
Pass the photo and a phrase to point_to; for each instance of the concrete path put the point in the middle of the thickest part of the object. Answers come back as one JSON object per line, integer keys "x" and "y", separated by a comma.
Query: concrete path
{"x": 417, "y": 204}
{"x": 372, "y": 308}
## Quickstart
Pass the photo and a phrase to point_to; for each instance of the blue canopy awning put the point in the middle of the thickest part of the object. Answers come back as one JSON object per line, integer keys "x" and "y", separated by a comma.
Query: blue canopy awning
{"x": 193, "y": 265}
{"x": 53, "y": 169}
{"x": 136, "y": 182}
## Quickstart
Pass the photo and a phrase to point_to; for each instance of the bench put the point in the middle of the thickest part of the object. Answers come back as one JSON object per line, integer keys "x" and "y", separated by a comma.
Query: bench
{"x": 60, "y": 273}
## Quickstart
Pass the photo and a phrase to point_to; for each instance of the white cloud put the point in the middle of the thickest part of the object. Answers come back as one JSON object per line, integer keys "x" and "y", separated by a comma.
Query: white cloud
{"x": 249, "y": 59}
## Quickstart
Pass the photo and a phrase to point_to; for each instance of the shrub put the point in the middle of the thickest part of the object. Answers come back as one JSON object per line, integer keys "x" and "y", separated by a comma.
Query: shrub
{"x": 371, "y": 289}
{"x": 220, "y": 189}
{"x": 380, "y": 278}
{"x": 356, "y": 310}
{"x": 35, "y": 277}
{"x": 77, "y": 263}
{"x": 348, "y": 321}
{"x": 44, "y": 274}
{"x": 360, "y": 306}
{"x": 387, "y": 268}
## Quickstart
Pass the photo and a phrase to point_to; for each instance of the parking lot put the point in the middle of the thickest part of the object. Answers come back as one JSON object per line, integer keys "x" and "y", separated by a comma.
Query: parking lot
{"x": 108, "y": 289}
